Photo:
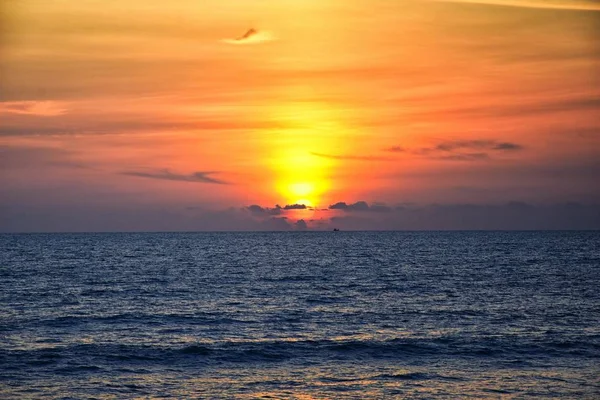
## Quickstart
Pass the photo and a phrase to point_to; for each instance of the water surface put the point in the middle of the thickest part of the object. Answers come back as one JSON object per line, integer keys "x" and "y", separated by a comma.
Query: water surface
{"x": 300, "y": 315}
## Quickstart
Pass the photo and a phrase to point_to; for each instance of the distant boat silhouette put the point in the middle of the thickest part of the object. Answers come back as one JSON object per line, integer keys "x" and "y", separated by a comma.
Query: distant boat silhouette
{"x": 336, "y": 230}
{"x": 251, "y": 32}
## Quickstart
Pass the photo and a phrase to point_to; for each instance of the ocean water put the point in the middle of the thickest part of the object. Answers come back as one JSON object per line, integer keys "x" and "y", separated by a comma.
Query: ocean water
{"x": 300, "y": 315}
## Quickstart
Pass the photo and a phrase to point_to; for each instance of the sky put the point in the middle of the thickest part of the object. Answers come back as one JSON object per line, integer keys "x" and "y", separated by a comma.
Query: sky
{"x": 193, "y": 115}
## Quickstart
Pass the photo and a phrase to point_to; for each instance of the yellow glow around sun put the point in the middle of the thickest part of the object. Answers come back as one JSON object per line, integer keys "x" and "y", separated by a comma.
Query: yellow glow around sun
{"x": 297, "y": 151}
{"x": 306, "y": 188}
{"x": 302, "y": 178}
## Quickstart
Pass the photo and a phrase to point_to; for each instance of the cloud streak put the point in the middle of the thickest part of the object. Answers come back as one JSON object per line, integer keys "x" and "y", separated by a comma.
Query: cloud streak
{"x": 198, "y": 176}
{"x": 34, "y": 108}
{"x": 513, "y": 215}
{"x": 360, "y": 206}
{"x": 456, "y": 150}
{"x": 259, "y": 211}
{"x": 478, "y": 145}
{"x": 350, "y": 157}
{"x": 577, "y": 5}
{"x": 252, "y": 36}
{"x": 460, "y": 150}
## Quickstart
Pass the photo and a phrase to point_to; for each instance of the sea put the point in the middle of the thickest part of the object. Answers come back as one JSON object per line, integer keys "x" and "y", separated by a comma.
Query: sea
{"x": 300, "y": 315}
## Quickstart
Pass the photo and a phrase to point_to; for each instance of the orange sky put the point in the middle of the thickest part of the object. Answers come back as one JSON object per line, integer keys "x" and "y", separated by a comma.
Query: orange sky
{"x": 137, "y": 115}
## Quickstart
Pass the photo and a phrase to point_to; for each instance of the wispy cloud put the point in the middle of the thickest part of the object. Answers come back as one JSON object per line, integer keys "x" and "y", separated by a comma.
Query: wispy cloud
{"x": 38, "y": 108}
{"x": 570, "y": 104}
{"x": 259, "y": 211}
{"x": 397, "y": 149}
{"x": 544, "y": 4}
{"x": 477, "y": 144}
{"x": 350, "y": 157}
{"x": 40, "y": 157}
{"x": 507, "y": 146}
{"x": 512, "y": 215}
{"x": 463, "y": 157}
{"x": 460, "y": 150}
{"x": 456, "y": 150}
{"x": 360, "y": 206}
{"x": 199, "y": 176}
{"x": 252, "y": 36}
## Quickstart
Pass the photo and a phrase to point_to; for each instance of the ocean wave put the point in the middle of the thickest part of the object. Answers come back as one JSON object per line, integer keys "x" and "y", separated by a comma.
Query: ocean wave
{"x": 196, "y": 318}
{"x": 286, "y": 350}
{"x": 410, "y": 376}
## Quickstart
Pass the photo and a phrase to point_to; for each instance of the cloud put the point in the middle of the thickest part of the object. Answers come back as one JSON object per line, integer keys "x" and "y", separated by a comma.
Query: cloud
{"x": 397, "y": 149}
{"x": 590, "y": 101}
{"x": 477, "y": 145}
{"x": 31, "y": 157}
{"x": 464, "y": 157}
{"x": 581, "y": 5}
{"x": 380, "y": 208}
{"x": 248, "y": 35}
{"x": 339, "y": 206}
{"x": 73, "y": 214}
{"x": 235, "y": 219}
{"x": 25, "y": 125}
{"x": 360, "y": 206}
{"x": 514, "y": 215}
{"x": 350, "y": 157}
{"x": 276, "y": 224}
{"x": 507, "y": 146}
{"x": 301, "y": 225}
{"x": 295, "y": 207}
{"x": 36, "y": 108}
{"x": 259, "y": 211}
{"x": 460, "y": 150}
{"x": 252, "y": 36}
{"x": 199, "y": 176}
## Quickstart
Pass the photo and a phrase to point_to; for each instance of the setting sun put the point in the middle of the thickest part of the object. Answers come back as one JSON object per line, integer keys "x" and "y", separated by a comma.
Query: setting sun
{"x": 303, "y": 191}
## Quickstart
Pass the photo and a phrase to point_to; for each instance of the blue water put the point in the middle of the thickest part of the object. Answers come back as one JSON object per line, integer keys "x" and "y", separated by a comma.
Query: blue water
{"x": 300, "y": 315}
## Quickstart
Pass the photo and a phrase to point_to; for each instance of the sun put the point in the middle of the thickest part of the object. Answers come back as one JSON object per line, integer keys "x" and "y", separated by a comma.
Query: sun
{"x": 301, "y": 192}
{"x": 300, "y": 177}
{"x": 302, "y": 189}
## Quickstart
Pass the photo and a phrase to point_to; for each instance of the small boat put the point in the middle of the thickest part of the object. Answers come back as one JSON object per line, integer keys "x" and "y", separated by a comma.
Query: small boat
{"x": 336, "y": 230}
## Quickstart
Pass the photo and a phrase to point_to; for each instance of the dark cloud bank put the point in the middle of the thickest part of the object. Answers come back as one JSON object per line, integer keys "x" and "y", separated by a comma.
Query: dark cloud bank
{"x": 361, "y": 206}
{"x": 259, "y": 211}
{"x": 345, "y": 216}
{"x": 508, "y": 216}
